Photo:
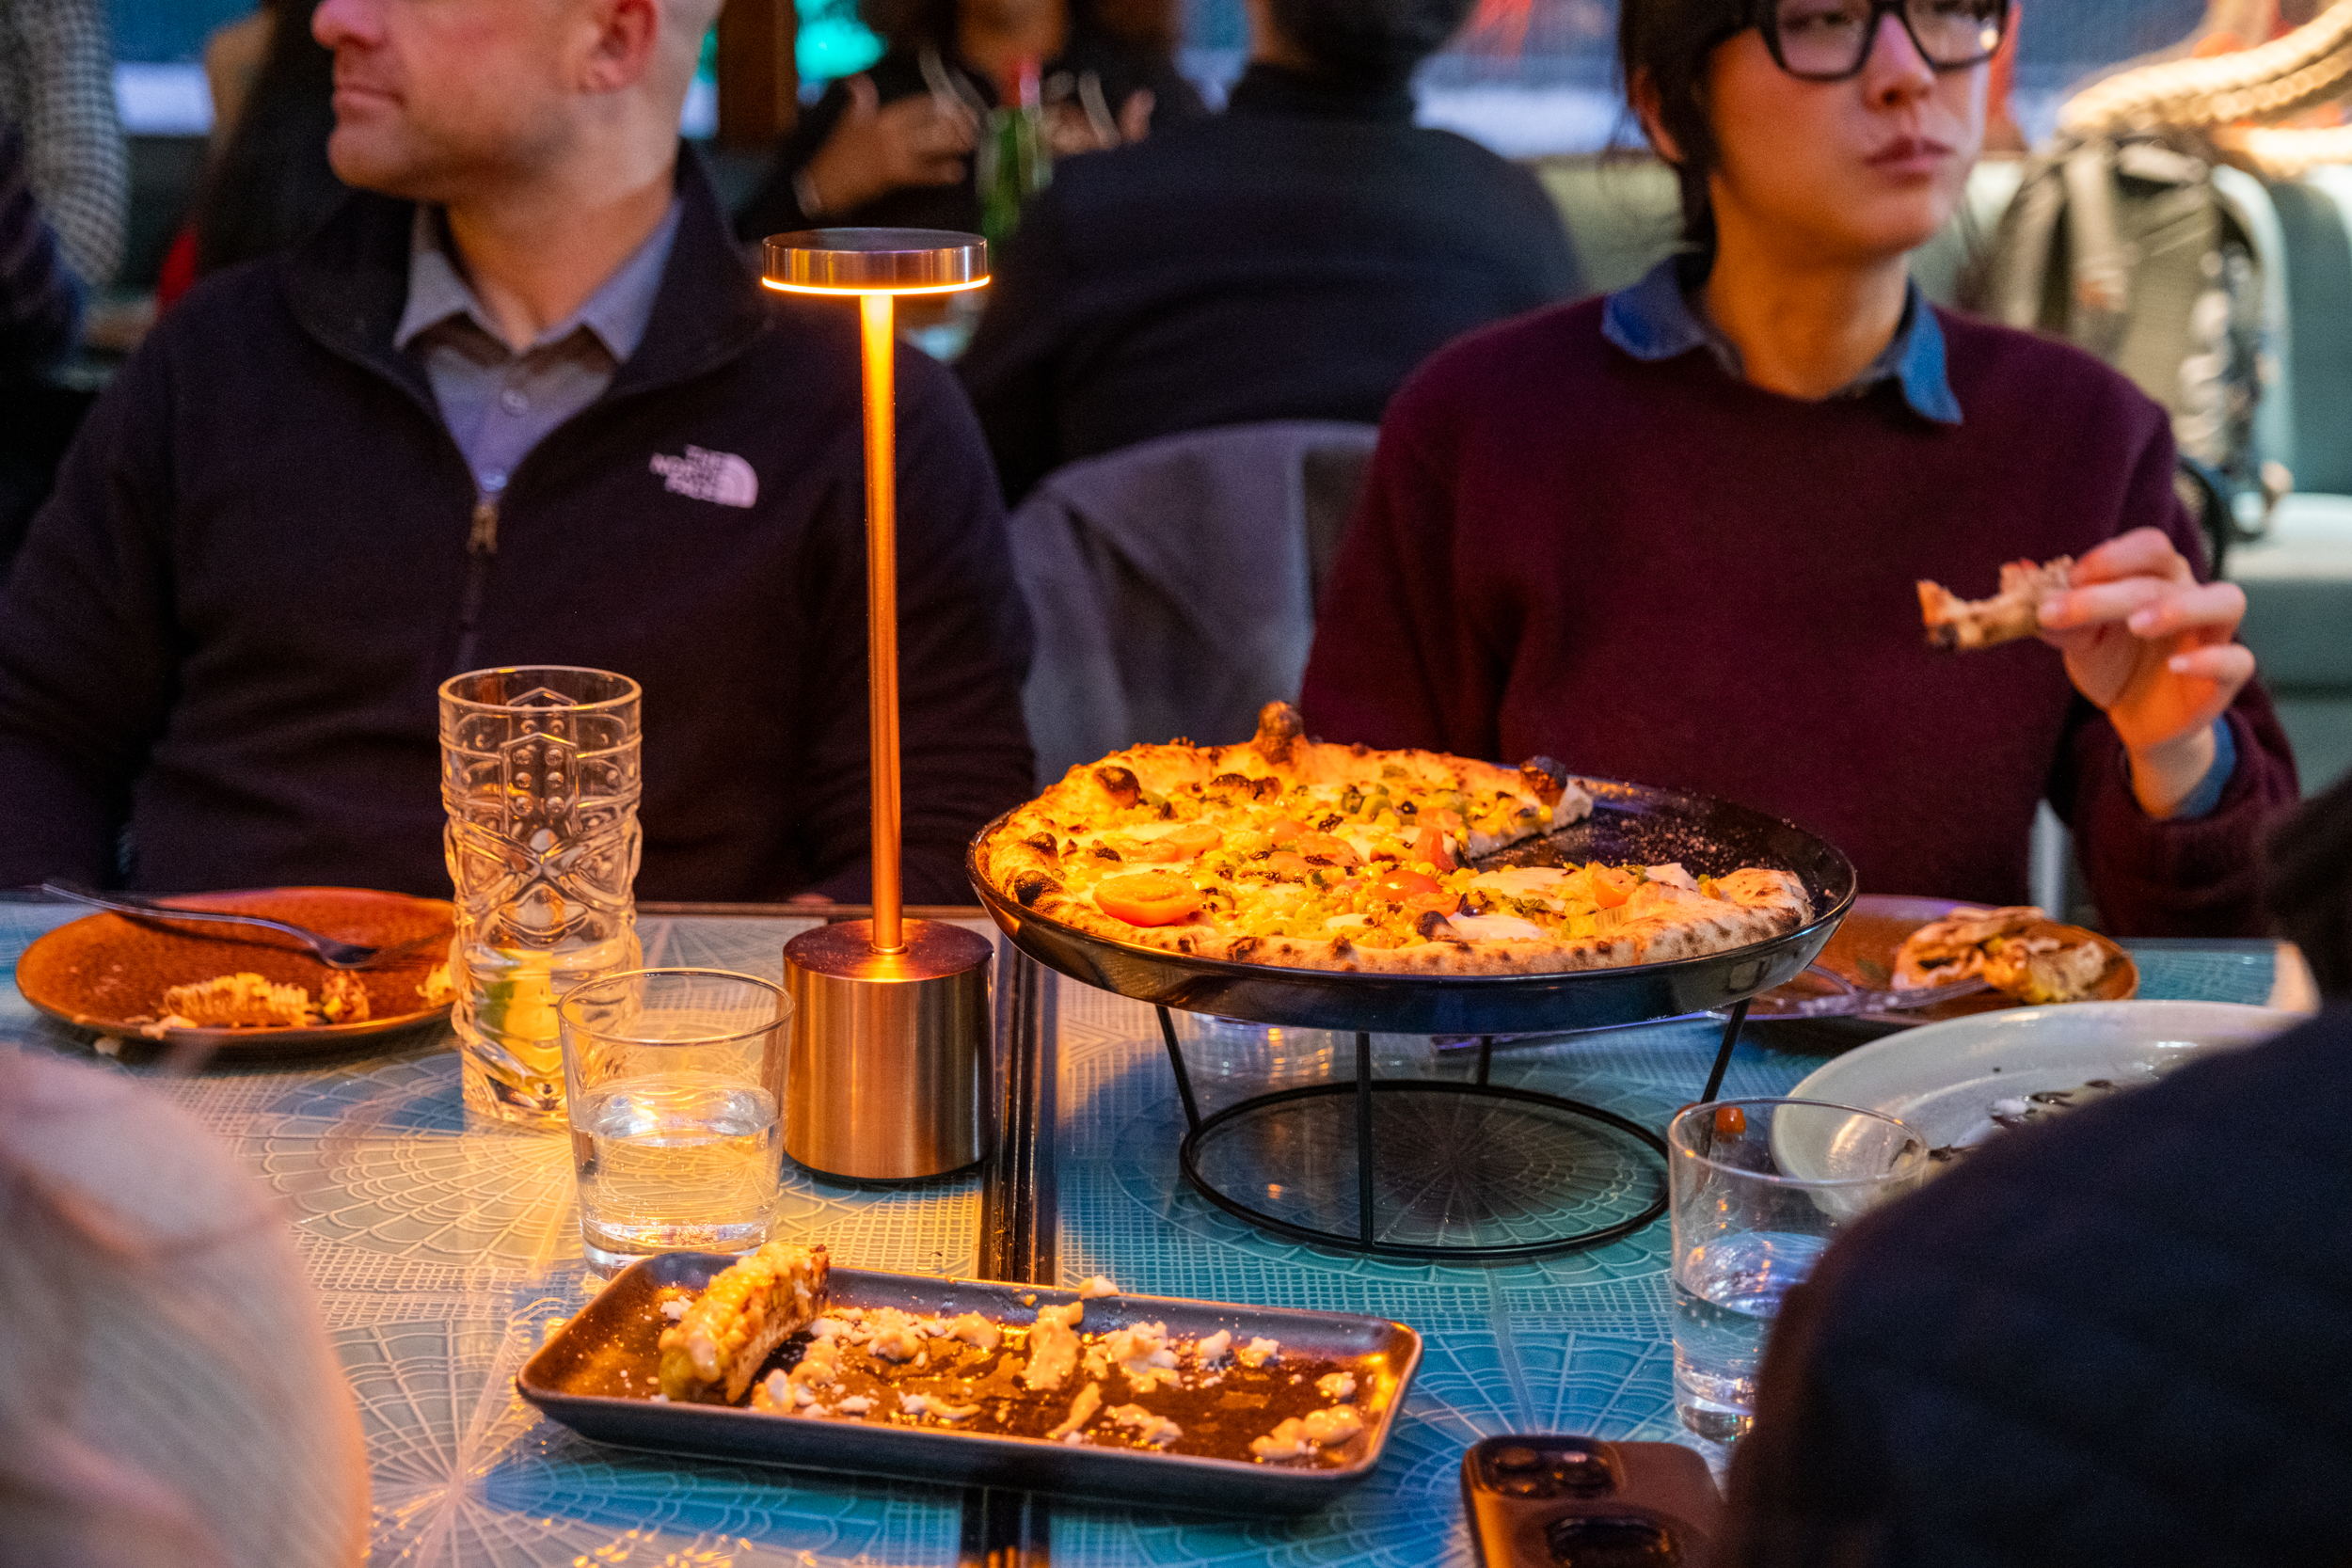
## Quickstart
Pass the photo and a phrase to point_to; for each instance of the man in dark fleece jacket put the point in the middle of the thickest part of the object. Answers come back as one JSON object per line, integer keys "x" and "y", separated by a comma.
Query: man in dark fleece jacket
{"x": 537, "y": 414}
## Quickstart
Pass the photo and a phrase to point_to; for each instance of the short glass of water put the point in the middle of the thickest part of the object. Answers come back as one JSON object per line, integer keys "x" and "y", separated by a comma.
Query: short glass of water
{"x": 540, "y": 780}
{"x": 671, "y": 1076}
{"x": 1758, "y": 1189}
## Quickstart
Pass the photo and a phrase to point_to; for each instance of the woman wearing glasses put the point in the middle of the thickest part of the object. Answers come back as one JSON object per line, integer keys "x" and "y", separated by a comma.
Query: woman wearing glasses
{"x": 1672, "y": 535}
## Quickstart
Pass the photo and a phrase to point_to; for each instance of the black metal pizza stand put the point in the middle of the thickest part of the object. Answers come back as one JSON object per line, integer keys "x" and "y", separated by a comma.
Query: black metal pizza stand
{"x": 1525, "y": 1174}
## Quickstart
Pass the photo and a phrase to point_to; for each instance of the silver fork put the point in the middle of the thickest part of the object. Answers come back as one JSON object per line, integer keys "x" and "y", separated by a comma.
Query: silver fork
{"x": 334, "y": 954}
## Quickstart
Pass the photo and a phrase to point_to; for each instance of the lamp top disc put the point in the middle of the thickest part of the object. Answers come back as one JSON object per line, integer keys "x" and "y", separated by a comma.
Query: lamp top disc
{"x": 876, "y": 260}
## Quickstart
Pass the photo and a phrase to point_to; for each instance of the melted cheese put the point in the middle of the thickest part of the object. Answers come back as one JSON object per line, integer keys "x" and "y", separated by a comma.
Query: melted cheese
{"x": 1523, "y": 880}
{"x": 1495, "y": 928}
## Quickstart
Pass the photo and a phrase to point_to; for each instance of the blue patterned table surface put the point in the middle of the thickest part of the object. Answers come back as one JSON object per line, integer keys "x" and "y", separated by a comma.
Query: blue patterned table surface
{"x": 440, "y": 1251}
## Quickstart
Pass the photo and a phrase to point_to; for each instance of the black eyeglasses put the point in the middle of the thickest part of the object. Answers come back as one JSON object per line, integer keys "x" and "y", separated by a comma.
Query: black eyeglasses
{"x": 1830, "y": 40}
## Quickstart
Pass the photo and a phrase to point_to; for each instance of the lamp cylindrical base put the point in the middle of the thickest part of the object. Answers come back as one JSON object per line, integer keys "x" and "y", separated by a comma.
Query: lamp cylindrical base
{"x": 889, "y": 1074}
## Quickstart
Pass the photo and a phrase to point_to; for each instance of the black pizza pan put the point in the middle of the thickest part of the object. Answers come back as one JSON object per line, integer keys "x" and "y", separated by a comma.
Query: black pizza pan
{"x": 595, "y": 1374}
{"x": 1630, "y": 824}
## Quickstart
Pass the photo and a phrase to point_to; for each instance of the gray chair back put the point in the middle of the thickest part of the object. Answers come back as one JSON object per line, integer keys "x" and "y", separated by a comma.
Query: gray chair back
{"x": 1173, "y": 584}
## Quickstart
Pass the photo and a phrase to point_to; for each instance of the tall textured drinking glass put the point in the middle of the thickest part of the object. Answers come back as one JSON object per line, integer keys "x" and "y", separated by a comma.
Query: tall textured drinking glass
{"x": 1758, "y": 1188}
{"x": 540, "y": 778}
{"x": 671, "y": 1076}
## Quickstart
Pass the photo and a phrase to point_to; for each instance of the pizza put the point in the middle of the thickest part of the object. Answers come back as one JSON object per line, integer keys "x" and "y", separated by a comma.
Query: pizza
{"x": 2019, "y": 950}
{"x": 1304, "y": 854}
{"x": 2014, "y": 613}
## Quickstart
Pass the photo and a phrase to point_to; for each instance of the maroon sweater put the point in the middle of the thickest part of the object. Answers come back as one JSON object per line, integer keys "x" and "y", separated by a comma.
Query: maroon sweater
{"x": 1653, "y": 571}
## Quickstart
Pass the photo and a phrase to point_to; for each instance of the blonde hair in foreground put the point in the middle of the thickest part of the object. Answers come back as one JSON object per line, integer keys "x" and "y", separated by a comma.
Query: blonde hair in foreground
{"x": 167, "y": 1394}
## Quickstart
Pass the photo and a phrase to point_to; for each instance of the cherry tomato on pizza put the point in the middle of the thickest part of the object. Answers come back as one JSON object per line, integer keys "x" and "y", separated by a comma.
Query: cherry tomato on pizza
{"x": 1610, "y": 885}
{"x": 1148, "y": 898}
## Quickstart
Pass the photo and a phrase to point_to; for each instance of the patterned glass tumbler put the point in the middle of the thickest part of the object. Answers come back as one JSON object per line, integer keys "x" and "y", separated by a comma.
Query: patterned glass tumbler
{"x": 540, "y": 776}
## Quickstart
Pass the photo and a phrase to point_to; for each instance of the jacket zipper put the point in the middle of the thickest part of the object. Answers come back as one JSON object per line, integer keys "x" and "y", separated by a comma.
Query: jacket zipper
{"x": 482, "y": 543}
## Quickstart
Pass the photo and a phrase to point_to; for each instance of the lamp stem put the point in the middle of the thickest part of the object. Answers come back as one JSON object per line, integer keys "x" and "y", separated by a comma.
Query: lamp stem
{"x": 875, "y": 312}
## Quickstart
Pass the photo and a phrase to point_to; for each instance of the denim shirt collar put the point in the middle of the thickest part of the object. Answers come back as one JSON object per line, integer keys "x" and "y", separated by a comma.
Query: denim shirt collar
{"x": 615, "y": 315}
{"x": 1653, "y": 319}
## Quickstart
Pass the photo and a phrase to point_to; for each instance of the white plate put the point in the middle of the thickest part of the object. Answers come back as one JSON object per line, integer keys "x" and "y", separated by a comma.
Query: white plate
{"x": 1944, "y": 1078}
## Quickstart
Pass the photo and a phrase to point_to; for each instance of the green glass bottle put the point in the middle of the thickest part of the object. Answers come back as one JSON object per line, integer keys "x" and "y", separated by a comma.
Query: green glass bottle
{"x": 1016, "y": 162}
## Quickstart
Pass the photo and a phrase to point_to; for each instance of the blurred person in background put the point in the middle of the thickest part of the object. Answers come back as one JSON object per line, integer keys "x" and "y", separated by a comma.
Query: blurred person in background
{"x": 1672, "y": 535}
{"x": 2108, "y": 1338}
{"x": 1293, "y": 258}
{"x": 65, "y": 194}
{"x": 57, "y": 87}
{"x": 518, "y": 402}
{"x": 39, "y": 310}
{"x": 267, "y": 182}
{"x": 233, "y": 53}
{"x": 894, "y": 147}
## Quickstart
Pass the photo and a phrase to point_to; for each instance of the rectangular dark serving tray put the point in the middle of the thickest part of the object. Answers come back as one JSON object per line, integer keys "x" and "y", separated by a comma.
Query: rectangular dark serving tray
{"x": 574, "y": 1359}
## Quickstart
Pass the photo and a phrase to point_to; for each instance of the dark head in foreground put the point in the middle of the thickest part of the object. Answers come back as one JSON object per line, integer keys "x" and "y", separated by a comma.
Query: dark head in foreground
{"x": 2100, "y": 1340}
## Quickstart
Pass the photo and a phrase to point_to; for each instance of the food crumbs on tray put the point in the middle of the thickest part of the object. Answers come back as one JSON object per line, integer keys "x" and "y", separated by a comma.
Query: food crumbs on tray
{"x": 1300, "y": 1435}
{"x": 1054, "y": 1345}
{"x": 552, "y": 1327}
{"x": 1082, "y": 1410}
{"x": 926, "y": 1404}
{"x": 108, "y": 1045}
{"x": 1155, "y": 1430}
{"x": 1096, "y": 1285}
{"x": 976, "y": 1331}
{"x": 1135, "y": 1386}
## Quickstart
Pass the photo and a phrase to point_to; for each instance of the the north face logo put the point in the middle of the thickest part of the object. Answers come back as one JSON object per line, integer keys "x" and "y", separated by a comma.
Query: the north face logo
{"x": 708, "y": 476}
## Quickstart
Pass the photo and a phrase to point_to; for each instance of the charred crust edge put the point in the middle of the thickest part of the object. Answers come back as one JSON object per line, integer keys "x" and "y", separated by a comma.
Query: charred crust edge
{"x": 1279, "y": 726}
{"x": 1030, "y": 886}
{"x": 1546, "y": 779}
{"x": 1119, "y": 784}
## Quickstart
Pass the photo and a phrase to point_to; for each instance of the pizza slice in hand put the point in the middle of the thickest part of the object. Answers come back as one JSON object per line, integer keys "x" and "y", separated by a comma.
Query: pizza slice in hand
{"x": 1954, "y": 623}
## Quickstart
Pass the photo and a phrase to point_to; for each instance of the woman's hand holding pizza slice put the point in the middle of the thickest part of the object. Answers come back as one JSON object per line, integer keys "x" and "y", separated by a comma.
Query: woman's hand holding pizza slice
{"x": 2156, "y": 651}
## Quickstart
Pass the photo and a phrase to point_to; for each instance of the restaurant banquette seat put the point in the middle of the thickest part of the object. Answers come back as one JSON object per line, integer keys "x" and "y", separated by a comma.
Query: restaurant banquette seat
{"x": 1172, "y": 584}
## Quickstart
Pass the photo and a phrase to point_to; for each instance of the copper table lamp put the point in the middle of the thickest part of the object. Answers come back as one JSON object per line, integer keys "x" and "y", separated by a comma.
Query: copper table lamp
{"x": 888, "y": 1073}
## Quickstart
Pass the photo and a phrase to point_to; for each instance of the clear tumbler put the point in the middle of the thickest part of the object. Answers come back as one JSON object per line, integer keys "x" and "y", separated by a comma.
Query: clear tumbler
{"x": 1759, "y": 1187}
{"x": 540, "y": 777}
{"x": 674, "y": 1110}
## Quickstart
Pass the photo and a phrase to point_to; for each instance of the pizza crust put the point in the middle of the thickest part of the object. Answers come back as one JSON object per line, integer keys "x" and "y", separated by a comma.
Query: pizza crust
{"x": 1764, "y": 904}
{"x": 2014, "y": 613}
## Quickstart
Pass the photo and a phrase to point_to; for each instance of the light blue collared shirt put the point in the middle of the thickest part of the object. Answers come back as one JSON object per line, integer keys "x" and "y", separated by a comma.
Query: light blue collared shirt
{"x": 1655, "y": 320}
{"x": 498, "y": 403}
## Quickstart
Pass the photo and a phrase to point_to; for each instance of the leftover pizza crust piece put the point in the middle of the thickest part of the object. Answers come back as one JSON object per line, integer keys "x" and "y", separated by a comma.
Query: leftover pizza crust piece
{"x": 2018, "y": 949}
{"x": 1253, "y": 852}
{"x": 749, "y": 1309}
{"x": 1956, "y": 623}
{"x": 247, "y": 1001}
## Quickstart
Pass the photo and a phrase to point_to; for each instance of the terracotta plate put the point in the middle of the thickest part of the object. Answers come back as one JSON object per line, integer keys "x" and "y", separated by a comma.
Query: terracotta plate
{"x": 1861, "y": 955}
{"x": 102, "y": 971}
